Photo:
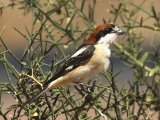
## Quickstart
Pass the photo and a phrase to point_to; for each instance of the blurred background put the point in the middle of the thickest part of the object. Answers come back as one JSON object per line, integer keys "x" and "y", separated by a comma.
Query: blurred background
{"x": 13, "y": 17}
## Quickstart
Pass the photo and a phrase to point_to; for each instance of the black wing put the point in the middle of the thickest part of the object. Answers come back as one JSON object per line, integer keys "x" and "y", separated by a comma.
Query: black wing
{"x": 73, "y": 62}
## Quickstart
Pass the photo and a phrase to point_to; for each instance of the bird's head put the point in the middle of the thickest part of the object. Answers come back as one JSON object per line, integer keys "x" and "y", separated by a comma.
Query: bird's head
{"x": 104, "y": 34}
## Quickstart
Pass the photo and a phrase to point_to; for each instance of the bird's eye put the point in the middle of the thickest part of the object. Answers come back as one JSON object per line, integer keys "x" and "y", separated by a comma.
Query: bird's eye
{"x": 109, "y": 28}
{"x": 104, "y": 32}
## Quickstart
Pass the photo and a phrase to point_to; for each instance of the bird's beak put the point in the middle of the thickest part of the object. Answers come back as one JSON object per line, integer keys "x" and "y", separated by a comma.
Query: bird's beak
{"x": 120, "y": 32}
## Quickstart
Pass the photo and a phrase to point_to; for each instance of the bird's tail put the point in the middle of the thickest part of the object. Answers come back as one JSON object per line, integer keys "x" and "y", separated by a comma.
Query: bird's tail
{"x": 35, "y": 97}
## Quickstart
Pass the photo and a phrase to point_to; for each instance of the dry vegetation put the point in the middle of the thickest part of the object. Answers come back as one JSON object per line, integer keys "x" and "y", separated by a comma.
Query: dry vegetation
{"x": 59, "y": 26}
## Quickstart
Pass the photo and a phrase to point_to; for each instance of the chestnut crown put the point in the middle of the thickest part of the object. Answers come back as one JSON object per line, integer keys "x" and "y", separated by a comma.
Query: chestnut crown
{"x": 102, "y": 31}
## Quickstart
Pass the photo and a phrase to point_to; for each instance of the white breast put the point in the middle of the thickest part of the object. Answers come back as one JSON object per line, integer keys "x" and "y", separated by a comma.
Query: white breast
{"x": 102, "y": 55}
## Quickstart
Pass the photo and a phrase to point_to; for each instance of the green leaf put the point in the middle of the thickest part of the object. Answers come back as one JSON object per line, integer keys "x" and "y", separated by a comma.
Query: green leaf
{"x": 144, "y": 57}
{"x": 154, "y": 70}
{"x": 33, "y": 110}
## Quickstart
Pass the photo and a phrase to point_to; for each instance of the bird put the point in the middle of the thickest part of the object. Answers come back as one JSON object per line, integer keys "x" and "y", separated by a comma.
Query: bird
{"x": 92, "y": 57}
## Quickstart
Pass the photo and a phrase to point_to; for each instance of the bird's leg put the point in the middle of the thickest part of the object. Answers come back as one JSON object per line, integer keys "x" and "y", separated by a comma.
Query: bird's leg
{"x": 88, "y": 86}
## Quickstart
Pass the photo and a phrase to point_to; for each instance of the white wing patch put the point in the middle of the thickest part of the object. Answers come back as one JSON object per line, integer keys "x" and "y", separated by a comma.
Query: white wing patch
{"x": 69, "y": 68}
{"x": 79, "y": 51}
